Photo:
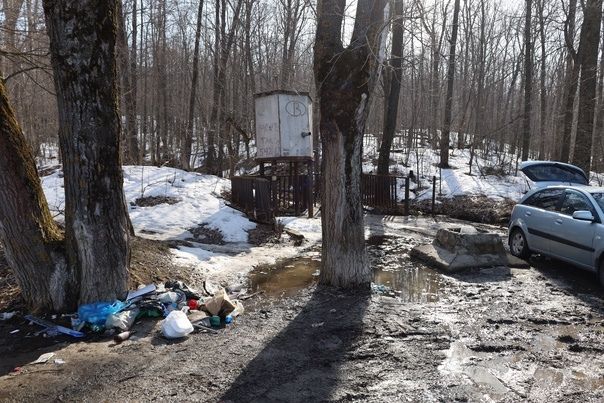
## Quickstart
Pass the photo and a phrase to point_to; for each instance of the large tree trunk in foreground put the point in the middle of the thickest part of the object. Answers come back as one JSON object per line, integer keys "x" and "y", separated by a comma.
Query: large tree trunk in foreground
{"x": 393, "y": 91}
{"x": 344, "y": 78}
{"x": 83, "y": 44}
{"x": 32, "y": 241}
{"x": 588, "y": 58}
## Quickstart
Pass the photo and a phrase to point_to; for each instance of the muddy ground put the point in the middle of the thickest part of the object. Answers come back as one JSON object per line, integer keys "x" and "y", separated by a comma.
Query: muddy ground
{"x": 484, "y": 335}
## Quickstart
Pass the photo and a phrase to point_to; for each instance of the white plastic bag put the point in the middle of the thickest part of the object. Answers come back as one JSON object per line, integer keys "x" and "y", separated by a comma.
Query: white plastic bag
{"x": 176, "y": 325}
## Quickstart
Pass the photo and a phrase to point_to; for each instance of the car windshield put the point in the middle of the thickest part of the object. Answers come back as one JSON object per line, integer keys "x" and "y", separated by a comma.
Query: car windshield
{"x": 599, "y": 197}
{"x": 553, "y": 173}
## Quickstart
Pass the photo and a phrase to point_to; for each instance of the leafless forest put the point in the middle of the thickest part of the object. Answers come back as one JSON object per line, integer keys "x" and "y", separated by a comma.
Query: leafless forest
{"x": 529, "y": 83}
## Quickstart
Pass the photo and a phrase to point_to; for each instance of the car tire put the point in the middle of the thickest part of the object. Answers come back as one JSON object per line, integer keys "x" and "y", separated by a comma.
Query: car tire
{"x": 601, "y": 272}
{"x": 518, "y": 244}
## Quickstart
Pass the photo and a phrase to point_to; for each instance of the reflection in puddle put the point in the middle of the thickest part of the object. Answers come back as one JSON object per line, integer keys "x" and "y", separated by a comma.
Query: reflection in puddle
{"x": 389, "y": 257}
{"x": 286, "y": 278}
{"x": 415, "y": 284}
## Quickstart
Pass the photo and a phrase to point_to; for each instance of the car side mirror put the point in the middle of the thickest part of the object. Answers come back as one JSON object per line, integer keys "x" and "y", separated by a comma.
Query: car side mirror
{"x": 583, "y": 215}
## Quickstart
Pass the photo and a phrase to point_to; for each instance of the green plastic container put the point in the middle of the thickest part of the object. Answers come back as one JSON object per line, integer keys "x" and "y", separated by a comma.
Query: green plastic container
{"x": 215, "y": 321}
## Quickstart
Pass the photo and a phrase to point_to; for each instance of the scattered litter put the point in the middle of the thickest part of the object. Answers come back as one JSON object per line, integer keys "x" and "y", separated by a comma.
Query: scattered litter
{"x": 238, "y": 309}
{"x": 183, "y": 308}
{"x": 196, "y": 316}
{"x": 177, "y": 285}
{"x": 176, "y": 325}
{"x": 318, "y": 324}
{"x": 215, "y": 321}
{"x": 148, "y": 289}
{"x": 219, "y": 304}
{"x": 170, "y": 297}
{"x": 53, "y": 329}
{"x": 122, "y": 320}
{"x": 95, "y": 314}
{"x": 59, "y": 361}
{"x": 7, "y": 315}
{"x": 204, "y": 322}
{"x": 193, "y": 304}
{"x": 123, "y": 336}
{"x": 14, "y": 331}
{"x": 43, "y": 358}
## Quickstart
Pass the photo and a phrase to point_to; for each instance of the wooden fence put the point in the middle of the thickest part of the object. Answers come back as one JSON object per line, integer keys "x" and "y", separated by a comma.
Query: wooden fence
{"x": 263, "y": 198}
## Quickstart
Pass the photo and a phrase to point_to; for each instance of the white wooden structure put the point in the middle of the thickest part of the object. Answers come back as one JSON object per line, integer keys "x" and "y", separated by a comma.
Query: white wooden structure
{"x": 283, "y": 126}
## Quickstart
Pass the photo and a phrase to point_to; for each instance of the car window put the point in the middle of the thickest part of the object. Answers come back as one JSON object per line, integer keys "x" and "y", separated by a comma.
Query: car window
{"x": 575, "y": 201}
{"x": 599, "y": 199}
{"x": 547, "y": 199}
{"x": 553, "y": 173}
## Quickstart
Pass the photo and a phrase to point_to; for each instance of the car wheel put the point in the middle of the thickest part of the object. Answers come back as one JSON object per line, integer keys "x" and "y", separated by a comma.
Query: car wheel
{"x": 518, "y": 245}
{"x": 601, "y": 272}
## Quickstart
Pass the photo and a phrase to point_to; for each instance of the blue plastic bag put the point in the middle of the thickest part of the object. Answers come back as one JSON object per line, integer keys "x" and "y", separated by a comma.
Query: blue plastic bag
{"x": 95, "y": 314}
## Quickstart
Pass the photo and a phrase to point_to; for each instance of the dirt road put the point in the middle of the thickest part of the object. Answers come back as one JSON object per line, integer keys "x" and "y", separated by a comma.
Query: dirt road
{"x": 486, "y": 335}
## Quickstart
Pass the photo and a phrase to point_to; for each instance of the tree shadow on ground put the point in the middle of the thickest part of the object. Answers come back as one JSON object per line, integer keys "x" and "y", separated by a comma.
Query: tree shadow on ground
{"x": 302, "y": 362}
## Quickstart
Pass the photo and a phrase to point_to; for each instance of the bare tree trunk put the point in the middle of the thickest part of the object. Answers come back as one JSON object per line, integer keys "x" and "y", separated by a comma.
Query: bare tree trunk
{"x": 543, "y": 90}
{"x": 344, "y": 87}
{"x": 444, "y": 140}
{"x": 32, "y": 241}
{"x": 185, "y": 153}
{"x": 570, "y": 83}
{"x": 96, "y": 219}
{"x": 393, "y": 92}
{"x": 128, "y": 87}
{"x": 528, "y": 81}
{"x": 599, "y": 121}
{"x": 588, "y": 58}
{"x": 222, "y": 44}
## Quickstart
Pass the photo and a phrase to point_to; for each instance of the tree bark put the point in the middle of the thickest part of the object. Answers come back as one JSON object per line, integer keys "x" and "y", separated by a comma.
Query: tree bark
{"x": 344, "y": 85}
{"x": 393, "y": 93}
{"x": 83, "y": 52}
{"x": 588, "y": 59}
{"x": 444, "y": 140}
{"x": 543, "y": 89}
{"x": 128, "y": 87}
{"x": 570, "y": 83}
{"x": 185, "y": 154}
{"x": 33, "y": 243}
{"x": 528, "y": 82}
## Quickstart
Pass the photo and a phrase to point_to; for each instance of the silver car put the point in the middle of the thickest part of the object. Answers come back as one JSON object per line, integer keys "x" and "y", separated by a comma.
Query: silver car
{"x": 561, "y": 216}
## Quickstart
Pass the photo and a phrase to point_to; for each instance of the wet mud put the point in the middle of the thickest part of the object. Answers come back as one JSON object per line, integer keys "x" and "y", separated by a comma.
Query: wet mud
{"x": 493, "y": 334}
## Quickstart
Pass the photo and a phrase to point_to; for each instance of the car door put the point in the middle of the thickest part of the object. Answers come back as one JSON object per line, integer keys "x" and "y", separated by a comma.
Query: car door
{"x": 572, "y": 239}
{"x": 539, "y": 213}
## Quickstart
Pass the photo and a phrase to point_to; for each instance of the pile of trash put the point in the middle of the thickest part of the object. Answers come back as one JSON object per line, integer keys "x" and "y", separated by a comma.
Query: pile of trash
{"x": 184, "y": 310}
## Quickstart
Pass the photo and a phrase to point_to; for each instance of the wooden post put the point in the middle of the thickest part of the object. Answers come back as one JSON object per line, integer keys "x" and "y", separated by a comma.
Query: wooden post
{"x": 309, "y": 189}
{"x": 296, "y": 187}
{"x": 407, "y": 195}
{"x": 433, "y": 193}
{"x": 440, "y": 181}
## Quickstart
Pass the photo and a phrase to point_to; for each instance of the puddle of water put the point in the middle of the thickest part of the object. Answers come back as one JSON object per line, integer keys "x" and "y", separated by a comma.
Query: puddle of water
{"x": 393, "y": 268}
{"x": 287, "y": 278}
